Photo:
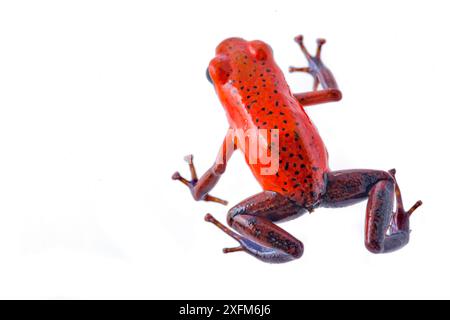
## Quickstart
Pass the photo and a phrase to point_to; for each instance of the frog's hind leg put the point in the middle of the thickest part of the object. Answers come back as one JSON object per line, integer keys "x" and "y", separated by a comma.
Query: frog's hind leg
{"x": 321, "y": 74}
{"x": 386, "y": 230}
{"x": 261, "y": 238}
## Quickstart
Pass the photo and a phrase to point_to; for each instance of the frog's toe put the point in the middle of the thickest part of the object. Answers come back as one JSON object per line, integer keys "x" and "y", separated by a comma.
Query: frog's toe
{"x": 189, "y": 158}
{"x": 176, "y": 176}
{"x": 414, "y": 207}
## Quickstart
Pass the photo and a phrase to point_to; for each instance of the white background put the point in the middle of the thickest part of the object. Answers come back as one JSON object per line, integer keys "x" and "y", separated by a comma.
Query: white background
{"x": 100, "y": 101}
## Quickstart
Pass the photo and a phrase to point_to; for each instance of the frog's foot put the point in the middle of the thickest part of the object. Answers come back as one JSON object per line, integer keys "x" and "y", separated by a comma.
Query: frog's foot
{"x": 400, "y": 218}
{"x": 314, "y": 62}
{"x": 261, "y": 252}
{"x": 193, "y": 183}
{"x": 309, "y": 57}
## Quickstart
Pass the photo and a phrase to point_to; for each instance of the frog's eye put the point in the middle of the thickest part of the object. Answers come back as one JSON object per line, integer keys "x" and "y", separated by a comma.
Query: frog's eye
{"x": 219, "y": 70}
{"x": 259, "y": 50}
{"x": 208, "y": 76}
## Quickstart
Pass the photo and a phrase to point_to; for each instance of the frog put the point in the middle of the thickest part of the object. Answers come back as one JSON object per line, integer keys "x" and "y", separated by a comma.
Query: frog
{"x": 256, "y": 96}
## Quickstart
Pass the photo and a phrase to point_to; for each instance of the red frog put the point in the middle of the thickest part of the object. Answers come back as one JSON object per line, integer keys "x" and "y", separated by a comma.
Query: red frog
{"x": 256, "y": 96}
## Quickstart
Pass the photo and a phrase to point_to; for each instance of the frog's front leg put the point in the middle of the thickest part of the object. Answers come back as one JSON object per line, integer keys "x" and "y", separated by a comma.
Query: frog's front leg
{"x": 321, "y": 74}
{"x": 262, "y": 239}
{"x": 200, "y": 188}
{"x": 385, "y": 230}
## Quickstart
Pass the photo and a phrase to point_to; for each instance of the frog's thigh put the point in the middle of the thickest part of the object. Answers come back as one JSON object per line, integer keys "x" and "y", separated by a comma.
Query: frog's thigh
{"x": 267, "y": 204}
{"x": 386, "y": 230}
{"x": 253, "y": 218}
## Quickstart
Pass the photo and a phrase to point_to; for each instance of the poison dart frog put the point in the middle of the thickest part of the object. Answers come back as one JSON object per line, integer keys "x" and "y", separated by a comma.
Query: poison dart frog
{"x": 256, "y": 96}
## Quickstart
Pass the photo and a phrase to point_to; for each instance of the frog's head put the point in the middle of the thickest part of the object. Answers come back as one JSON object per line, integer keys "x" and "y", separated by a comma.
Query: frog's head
{"x": 237, "y": 59}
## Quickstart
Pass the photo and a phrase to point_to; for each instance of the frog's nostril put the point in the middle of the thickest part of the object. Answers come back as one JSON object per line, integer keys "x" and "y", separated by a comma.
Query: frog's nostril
{"x": 208, "y": 76}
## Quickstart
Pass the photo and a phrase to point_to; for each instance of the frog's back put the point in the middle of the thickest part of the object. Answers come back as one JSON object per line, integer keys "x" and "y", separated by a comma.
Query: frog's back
{"x": 256, "y": 95}
{"x": 302, "y": 157}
